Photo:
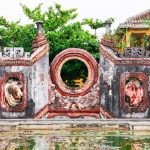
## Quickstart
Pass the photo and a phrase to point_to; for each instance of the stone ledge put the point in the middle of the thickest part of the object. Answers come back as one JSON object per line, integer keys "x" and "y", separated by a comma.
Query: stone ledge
{"x": 109, "y": 124}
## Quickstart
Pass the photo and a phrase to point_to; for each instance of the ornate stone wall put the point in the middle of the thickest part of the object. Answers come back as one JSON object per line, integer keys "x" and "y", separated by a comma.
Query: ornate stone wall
{"x": 24, "y": 79}
{"x": 30, "y": 89}
{"x": 84, "y": 101}
{"x": 117, "y": 87}
{"x": 124, "y": 85}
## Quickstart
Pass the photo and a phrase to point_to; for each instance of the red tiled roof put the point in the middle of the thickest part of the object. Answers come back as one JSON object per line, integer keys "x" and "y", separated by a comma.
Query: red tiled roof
{"x": 137, "y": 21}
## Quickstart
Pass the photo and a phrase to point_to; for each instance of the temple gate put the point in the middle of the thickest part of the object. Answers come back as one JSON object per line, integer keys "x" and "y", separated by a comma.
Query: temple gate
{"x": 117, "y": 87}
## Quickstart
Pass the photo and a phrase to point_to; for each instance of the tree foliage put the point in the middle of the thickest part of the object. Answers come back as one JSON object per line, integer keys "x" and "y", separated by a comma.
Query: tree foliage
{"x": 53, "y": 19}
{"x": 79, "y": 71}
{"x": 12, "y": 34}
{"x": 96, "y": 24}
{"x": 59, "y": 28}
{"x": 60, "y": 33}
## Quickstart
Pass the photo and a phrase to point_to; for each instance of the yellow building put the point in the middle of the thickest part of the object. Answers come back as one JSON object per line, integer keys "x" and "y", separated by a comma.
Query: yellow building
{"x": 136, "y": 28}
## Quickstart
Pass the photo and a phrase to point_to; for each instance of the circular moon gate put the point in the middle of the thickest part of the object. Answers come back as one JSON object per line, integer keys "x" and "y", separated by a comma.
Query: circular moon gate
{"x": 61, "y": 59}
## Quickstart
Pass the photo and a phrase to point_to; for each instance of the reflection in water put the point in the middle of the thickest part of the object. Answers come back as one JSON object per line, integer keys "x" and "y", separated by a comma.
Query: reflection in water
{"x": 75, "y": 140}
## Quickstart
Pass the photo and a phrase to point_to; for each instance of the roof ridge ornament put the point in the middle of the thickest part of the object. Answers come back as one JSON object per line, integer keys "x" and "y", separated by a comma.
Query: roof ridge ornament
{"x": 40, "y": 39}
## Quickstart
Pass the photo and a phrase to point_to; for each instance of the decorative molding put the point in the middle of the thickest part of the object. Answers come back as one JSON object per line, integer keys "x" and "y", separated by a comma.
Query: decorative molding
{"x": 53, "y": 108}
{"x": 109, "y": 54}
{"x": 105, "y": 113}
{"x": 88, "y": 101}
{"x": 60, "y": 104}
{"x": 42, "y": 112}
{"x": 73, "y": 115}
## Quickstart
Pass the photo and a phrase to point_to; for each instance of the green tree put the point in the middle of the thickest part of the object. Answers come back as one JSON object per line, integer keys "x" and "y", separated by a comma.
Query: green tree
{"x": 94, "y": 24}
{"x": 60, "y": 33}
{"x": 12, "y": 34}
{"x": 59, "y": 28}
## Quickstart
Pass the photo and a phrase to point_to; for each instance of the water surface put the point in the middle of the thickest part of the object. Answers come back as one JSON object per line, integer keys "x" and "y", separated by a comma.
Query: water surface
{"x": 75, "y": 139}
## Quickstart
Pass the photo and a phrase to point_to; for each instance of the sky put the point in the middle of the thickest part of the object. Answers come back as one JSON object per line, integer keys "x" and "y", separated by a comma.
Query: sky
{"x": 100, "y": 9}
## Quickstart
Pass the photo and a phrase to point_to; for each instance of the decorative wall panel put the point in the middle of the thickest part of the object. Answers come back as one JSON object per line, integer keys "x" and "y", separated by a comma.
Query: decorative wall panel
{"x": 13, "y": 92}
{"x": 134, "y": 92}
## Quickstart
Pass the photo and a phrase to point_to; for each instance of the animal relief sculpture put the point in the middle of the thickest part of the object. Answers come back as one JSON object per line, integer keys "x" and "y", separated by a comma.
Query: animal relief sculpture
{"x": 13, "y": 91}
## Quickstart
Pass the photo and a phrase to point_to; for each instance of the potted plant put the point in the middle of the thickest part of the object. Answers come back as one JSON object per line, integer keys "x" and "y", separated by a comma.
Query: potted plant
{"x": 145, "y": 41}
{"x": 120, "y": 46}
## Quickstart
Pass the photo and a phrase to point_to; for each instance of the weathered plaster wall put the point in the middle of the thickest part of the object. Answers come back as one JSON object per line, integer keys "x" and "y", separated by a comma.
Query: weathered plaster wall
{"x": 109, "y": 96}
{"x": 36, "y": 79}
{"x": 39, "y": 82}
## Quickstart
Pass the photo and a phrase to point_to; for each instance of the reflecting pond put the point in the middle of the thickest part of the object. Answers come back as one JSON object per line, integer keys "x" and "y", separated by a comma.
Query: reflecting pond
{"x": 75, "y": 139}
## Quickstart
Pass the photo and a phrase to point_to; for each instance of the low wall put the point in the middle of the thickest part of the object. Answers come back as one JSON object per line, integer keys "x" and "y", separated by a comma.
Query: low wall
{"x": 61, "y": 124}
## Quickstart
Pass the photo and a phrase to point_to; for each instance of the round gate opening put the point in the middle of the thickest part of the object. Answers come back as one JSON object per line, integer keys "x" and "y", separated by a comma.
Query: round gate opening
{"x": 74, "y": 73}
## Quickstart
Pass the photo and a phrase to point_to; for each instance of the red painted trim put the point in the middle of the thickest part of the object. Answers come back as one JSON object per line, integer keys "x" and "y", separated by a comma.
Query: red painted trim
{"x": 39, "y": 40}
{"x": 95, "y": 110}
{"x": 106, "y": 113}
{"x": 73, "y": 115}
{"x": 42, "y": 112}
